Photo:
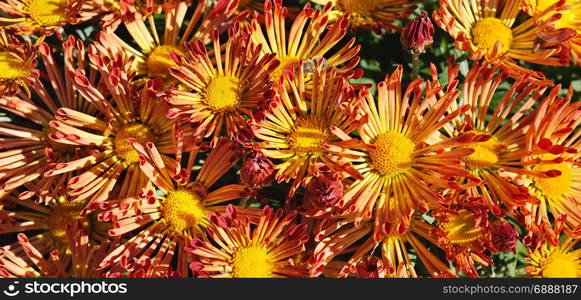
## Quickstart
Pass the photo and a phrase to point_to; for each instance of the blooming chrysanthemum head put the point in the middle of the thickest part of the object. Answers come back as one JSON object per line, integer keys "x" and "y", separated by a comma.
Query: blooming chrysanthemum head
{"x": 248, "y": 251}
{"x": 41, "y": 16}
{"x": 17, "y": 62}
{"x": 371, "y": 14}
{"x": 560, "y": 261}
{"x": 497, "y": 38}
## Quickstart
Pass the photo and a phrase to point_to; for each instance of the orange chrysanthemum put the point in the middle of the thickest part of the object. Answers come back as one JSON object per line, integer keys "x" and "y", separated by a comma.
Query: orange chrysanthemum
{"x": 219, "y": 91}
{"x": 17, "y": 62}
{"x": 180, "y": 212}
{"x": 489, "y": 30}
{"x": 497, "y": 161}
{"x": 152, "y": 56}
{"x": 27, "y": 151}
{"x": 236, "y": 249}
{"x": 371, "y": 14}
{"x": 555, "y": 147}
{"x": 555, "y": 261}
{"x": 307, "y": 40}
{"x": 570, "y": 18}
{"x": 309, "y": 130}
{"x": 110, "y": 164}
{"x": 40, "y": 16}
{"x": 335, "y": 237}
{"x": 401, "y": 169}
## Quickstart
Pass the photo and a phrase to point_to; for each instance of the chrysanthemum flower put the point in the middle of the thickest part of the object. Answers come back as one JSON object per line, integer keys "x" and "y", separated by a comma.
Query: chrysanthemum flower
{"x": 152, "y": 56}
{"x": 555, "y": 261}
{"x": 26, "y": 149}
{"x": 570, "y": 13}
{"x": 370, "y": 14}
{"x": 17, "y": 62}
{"x": 308, "y": 39}
{"x": 489, "y": 30}
{"x": 498, "y": 159}
{"x": 464, "y": 233}
{"x": 79, "y": 260}
{"x": 302, "y": 128}
{"x": 238, "y": 249}
{"x": 40, "y": 16}
{"x": 110, "y": 162}
{"x": 47, "y": 228}
{"x": 179, "y": 212}
{"x": 340, "y": 236}
{"x": 554, "y": 143}
{"x": 400, "y": 169}
{"x": 218, "y": 91}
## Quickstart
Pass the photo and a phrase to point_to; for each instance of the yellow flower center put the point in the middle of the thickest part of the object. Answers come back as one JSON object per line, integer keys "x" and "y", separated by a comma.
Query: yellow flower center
{"x": 357, "y": 6}
{"x": 488, "y": 31}
{"x": 485, "y": 154}
{"x": 309, "y": 135}
{"x": 123, "y": 148}
{"x": 183, "y": 209}
{"x": 252, "y": 262}
{"x": 554, "y": 187}
{"x": 46, "y": 12}
{"x": 285, "y": 64}
{"x": 62, "y": 215}
{"x": 223, "y": 93}
{"x": 560, "y": 265}
{"x": 159, "y": 61}
{"x": 393, "y": 155}
{"x": 461, "y": 228}
{"x": 11, "y": 65}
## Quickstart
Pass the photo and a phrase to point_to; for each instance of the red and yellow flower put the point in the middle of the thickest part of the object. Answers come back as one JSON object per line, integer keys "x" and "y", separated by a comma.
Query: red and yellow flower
{"x": 238, "y": 249}
{"x": 490, "y": 30}
{"x": 18, "y": 62}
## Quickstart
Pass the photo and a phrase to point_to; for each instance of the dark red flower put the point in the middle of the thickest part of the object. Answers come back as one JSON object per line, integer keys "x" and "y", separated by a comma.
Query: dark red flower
{"x": 370, "y": 267}
{"x": 418, "y": 34}
{"x": 257, "y": 171}
{"x": 504, "y": 236}
{"x": 324, "y": 191}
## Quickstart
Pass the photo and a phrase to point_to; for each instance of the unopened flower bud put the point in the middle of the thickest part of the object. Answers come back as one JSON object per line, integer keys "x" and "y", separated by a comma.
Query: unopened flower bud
{"x": 324, "y": 191}
{"x": 257, "y": 171}
{"x": 418, "y": 34}
{"x": 504, "y": 236}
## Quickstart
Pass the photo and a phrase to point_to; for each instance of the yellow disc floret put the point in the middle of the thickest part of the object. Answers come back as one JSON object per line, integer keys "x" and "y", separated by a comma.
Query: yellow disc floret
{"x": 461, "y": 228}
{"x": 488, "y": 31}
{"x": 252, "y": 262}
{"x": 553, "y": 187}
{"x": 285, "y": 64}
{"x": 139, "y": 132}
{"x": 62, "y": 215}
{"x": 183, "y": 209}
{"x": 46, "y": 13}
{"x": 11, "y": 66}
{"x": 360, "y": 12}
{"x": 485, "y": 154}
{"x": 159, "y": 60}
{"x": 393, "y": 154}
{"x": 560, "y": 265}
{"x": 309, "y": 135}
{"x": 222, "y": 93}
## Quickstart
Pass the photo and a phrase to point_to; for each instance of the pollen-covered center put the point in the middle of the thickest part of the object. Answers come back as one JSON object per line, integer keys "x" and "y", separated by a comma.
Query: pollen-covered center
{"x": 285, "y": 64}
{"x": 139, "y": 132}
{"x": 485, "y": 154}
{"x": 11, "y": 65}
{"x": 222, "y": 93}
{"x": 62, "y": 215}
{"x": 393, "y": 155}
{"x": 357, "y": 6}
{"x": 488, "y": 31}
{"x": 561, "y": 265}
{"x": 554, "y": 187}
{"x": 252, "y": 262}
{"x": 46, "y": 12}
{"x": 183, "y": 209}
{"x": 159, "y": 60}
{"x": 309, "y": 135}
{"x": 461, "y": 228}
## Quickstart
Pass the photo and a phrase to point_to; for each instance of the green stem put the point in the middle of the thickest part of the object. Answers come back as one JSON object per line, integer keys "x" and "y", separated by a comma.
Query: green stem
{"x": 415, "y": 66}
